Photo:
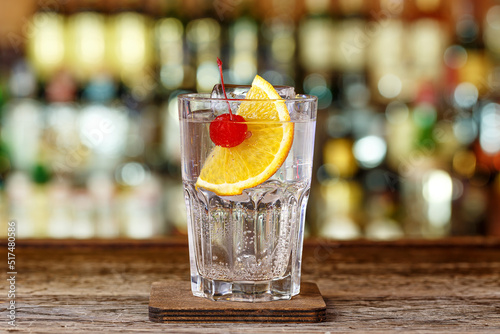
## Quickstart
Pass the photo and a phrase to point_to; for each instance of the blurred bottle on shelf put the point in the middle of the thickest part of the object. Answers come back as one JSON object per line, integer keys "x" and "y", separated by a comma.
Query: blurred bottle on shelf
{"x": 61, "y": 117}
{"x": 171, "y": 151}
{"x": 46, "y": 44}
{"x": 470, "y": 93}
{"x": 130, "y": 51}
{"x": 278, "y": 45}
{"x": 103, "y": 124}
{"x": 243, "y": 46}
{"x": 170, "y": 48}
{"x": 63, "y": 157}
{"x": 87, "y": 48}
{"x": 22, "y": 123}
{"x": 61, "y": 217}
{"x": 39, "y": 202}
{"x": 204, "y": 43}
{"x": 315, "y": 38}
{"x": 314, "y": 63}
{"x": 18, "y": 191}
{"x": 176, "y": 72}
{"x": 102, "y": 190}
{"x": 22, "y": 131}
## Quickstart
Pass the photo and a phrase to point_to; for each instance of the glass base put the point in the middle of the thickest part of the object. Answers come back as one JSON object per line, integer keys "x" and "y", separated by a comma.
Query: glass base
{"x": 257, "y": 291}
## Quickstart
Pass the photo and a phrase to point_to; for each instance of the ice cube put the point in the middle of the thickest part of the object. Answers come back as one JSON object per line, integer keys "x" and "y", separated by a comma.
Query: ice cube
{"x": 240, "y": 91}
{"x": 298, "y": 111}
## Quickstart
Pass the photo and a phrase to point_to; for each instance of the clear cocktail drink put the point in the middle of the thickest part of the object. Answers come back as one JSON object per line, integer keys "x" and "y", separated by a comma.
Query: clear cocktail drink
{"x": 246, "y": 244}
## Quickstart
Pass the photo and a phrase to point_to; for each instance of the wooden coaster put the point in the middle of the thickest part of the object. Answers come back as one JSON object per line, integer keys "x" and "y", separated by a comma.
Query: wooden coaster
{"x": 173, "y": 301}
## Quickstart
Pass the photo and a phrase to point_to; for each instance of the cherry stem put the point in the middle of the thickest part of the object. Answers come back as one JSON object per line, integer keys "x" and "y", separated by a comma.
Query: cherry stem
{"x": 219, "y": 62}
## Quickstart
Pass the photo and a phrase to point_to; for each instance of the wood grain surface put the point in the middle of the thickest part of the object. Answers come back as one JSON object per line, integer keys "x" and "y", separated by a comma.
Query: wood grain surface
{"x": 448, "y": 286}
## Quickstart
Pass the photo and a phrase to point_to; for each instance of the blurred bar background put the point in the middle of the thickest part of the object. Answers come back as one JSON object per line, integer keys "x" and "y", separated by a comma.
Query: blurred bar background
{"x": 408, "y": 133}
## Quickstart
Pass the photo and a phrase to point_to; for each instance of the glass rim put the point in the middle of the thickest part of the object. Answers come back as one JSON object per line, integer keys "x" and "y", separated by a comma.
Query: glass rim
{"x": 207, "y": 97}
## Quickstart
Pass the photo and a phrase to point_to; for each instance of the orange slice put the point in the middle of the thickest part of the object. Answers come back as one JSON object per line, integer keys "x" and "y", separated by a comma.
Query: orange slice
{"x": 228, "y": 171}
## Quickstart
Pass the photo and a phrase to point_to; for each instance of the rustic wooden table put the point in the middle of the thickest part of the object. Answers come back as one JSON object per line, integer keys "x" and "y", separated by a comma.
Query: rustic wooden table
{"x": 449, "y": 285}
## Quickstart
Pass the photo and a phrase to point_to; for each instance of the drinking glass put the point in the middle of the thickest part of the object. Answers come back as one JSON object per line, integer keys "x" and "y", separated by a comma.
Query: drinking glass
{"x": 246, "y": 247}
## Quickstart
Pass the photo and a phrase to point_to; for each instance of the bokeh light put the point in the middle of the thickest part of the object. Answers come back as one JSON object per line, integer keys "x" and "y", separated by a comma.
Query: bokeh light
{"x": 389, "y": 86}
{"x": 466, "y": 95}
{"x": 437, "y": 191}
{"x": 490, "y": 128}
{"x": 46, "y": 42}
{"x": 492, "y": 29}
{"x": 207, "y": 75}
{"x": 169, "y": 35}
{"x": 465, "y": 130}
{"x": 370, "y": 151}
{"x": 132, "y": 174}
{"x": 316, "y": 84}
{"x": 88, "y": 51}
{"x": 384, "y": 229}
{"x": 455, "y": 56}
{"x": 467, "y": 29}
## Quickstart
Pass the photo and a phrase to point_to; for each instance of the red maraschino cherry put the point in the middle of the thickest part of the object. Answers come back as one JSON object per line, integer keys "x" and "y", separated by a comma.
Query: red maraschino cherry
{"x": 227, "y": 130}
